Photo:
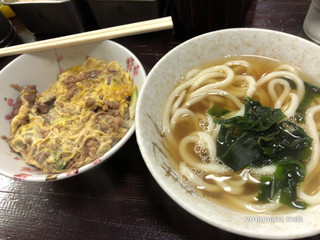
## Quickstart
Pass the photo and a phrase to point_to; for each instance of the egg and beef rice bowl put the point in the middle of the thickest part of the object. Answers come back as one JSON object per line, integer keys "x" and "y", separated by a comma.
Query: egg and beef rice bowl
{"x": 76, "y": 120}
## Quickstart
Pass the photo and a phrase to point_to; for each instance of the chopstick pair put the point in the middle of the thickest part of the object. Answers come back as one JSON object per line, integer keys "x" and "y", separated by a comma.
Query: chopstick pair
{"x": 91, "y": 36}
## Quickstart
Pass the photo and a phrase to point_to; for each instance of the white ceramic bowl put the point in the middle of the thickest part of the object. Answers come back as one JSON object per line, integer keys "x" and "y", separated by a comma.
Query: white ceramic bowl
{"x": 202, "y": 49}
{"x": 42, "y": 69}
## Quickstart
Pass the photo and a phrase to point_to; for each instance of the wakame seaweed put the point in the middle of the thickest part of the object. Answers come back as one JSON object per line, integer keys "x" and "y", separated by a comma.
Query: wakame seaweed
{"x": 218, "y": 111}
{"x": 261, "y": 137}
{"x": 289, "y": 173}
{"x": 256, "y": 117}
{"x": 310, "y": 93}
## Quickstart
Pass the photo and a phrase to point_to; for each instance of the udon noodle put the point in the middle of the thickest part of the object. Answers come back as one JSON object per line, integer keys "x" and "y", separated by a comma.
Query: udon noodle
{"x": 190, "y": 133}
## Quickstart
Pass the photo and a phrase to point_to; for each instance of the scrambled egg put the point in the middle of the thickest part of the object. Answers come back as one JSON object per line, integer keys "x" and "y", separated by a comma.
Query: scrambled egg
{"x": 76, "y": 120}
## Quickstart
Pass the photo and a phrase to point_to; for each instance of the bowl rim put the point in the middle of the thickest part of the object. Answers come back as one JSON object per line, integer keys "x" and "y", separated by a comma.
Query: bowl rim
{"x": 46, "y": 177}
{"x": 159, "y": 179}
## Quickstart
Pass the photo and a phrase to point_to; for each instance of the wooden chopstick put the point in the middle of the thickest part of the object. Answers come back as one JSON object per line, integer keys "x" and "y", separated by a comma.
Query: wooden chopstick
{"x": 91, "y": 36}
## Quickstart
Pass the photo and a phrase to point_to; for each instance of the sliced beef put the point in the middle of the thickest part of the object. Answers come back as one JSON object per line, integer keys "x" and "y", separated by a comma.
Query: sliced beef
{"x": 112, "y": 104}
{"x": 92, "y": 74}
{"x": 71, "y": 81}
{"x": 117, "y": 121}
{"x": 89, "y": 148}
{"x": 41, "y": 157}
{"x": 70, "y": 93}
{"x": 114, "y": 113}
{"x": 71, "y": 163}
{"x": 90, "y": 102}
{"x": 113, "y": 108}
{"x": 30, "y": 95}
{"x": 44, "y": 107}
{"x": 113, "y": 70}
{"x": 16, "y": 87}
{"x": 15, "y": 108}
{"x": 104, "y": 120}
{"x": 108, "y": 122}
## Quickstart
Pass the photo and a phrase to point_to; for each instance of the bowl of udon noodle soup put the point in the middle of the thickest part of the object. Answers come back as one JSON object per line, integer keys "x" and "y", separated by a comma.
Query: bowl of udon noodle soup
{"x": 228, "y": 125}
{"x": 68, "y": 110}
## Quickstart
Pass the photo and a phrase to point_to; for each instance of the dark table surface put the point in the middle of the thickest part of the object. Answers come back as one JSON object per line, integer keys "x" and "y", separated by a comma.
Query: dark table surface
{"x": 120, "y": 199}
